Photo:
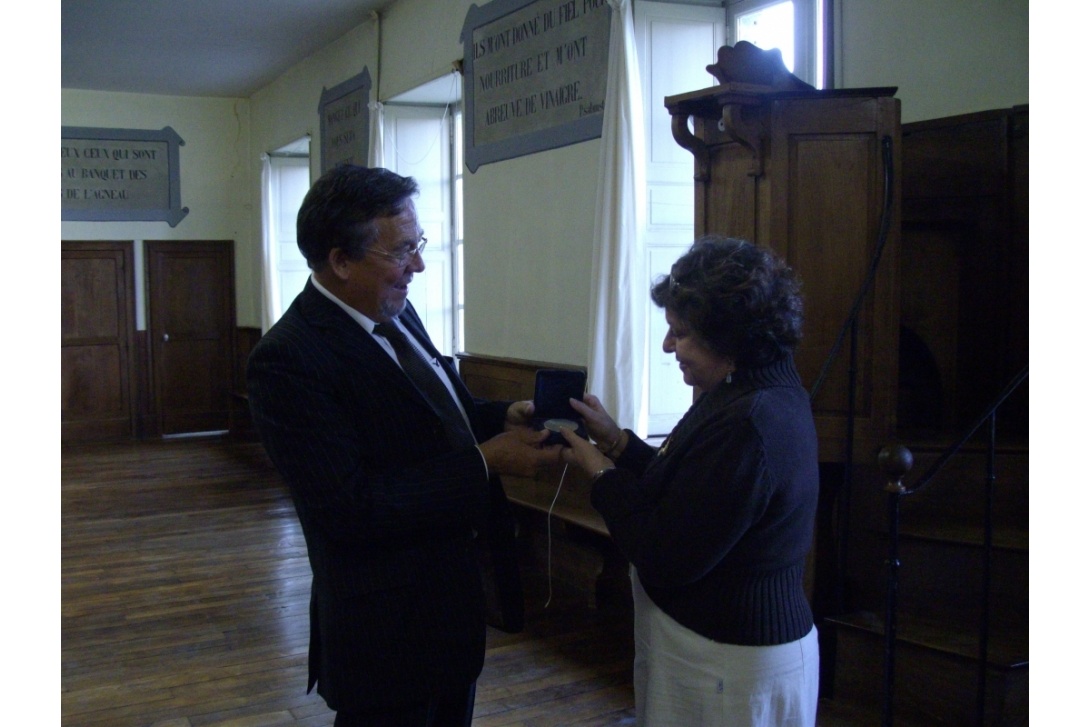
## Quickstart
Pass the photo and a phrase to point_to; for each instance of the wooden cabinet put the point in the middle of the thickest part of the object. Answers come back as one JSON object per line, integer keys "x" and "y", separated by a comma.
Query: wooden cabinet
{"x": 805, "y": 173}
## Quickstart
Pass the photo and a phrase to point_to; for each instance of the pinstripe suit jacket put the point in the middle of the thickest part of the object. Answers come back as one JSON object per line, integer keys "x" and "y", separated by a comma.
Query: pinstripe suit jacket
{"x": 387, "y": 507}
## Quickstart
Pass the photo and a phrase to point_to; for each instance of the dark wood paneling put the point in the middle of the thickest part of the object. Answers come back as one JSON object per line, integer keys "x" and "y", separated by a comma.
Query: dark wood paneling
{"x": 966, "y": 260}
{"x": 241, "y": 423}
{"x": 245, "y": 340}
{"x": 964, "y": 334}
{"x": 147, "y": 421}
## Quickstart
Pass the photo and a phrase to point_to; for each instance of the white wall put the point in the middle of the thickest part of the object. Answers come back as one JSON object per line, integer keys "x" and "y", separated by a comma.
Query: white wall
{"x": 213, "y": 171}
{"x": 419, "y": 42}
{"x": 529, "y": 223}
{"x": 946, "y": 57}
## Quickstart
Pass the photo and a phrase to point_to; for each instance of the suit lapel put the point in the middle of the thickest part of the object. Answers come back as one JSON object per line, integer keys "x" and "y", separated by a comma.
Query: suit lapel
{"x": 415, "y": 326}
{"x": 347, "y": 337}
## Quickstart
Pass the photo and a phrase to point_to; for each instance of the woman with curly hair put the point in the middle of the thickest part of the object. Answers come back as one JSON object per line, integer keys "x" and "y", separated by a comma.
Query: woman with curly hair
{"x": 717, "y": 522}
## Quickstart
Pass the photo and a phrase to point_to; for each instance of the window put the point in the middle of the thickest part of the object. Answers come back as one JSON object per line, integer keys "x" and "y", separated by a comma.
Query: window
{"x": 793, "y": 26}
{"x": 422, "y": 139}
{"x": 288, "y": 180}
{"x": 675, "y": 41}
{"x": 674, "y": 44}
{"x": 770, "y": 26}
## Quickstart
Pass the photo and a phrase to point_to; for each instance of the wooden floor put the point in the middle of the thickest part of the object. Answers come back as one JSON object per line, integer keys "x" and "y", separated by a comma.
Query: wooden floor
{"x": 185, "y": 586}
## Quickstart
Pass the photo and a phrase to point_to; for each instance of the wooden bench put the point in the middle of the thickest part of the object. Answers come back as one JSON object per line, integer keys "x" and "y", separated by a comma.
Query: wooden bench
{"x": 566, "y": 535}
{"x": 564, "y": 525}
{"x": 571, "y": 504}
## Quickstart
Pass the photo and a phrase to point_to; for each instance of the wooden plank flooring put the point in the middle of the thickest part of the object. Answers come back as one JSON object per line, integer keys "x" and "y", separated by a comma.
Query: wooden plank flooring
{"x": 184, "y": 593}
{"x": 185, "y": 587}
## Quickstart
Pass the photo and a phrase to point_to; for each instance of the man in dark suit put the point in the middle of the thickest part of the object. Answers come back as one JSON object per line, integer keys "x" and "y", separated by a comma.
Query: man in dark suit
{"x": 389, "y": 471}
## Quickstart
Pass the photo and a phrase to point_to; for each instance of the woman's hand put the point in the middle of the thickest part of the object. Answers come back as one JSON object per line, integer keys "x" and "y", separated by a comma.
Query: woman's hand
{"x": 599, "y": 423}
{"x": 583, "y": 454}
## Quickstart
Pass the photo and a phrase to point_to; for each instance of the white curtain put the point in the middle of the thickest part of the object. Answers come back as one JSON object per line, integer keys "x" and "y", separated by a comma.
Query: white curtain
{"x": 376, "y": 156}
{"x": 617, "y": 360}
{"x": 270, "y": 284}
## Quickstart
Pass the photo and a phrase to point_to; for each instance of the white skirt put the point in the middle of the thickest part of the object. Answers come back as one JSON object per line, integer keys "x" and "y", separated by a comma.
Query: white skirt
{"x": 682, "y": 679}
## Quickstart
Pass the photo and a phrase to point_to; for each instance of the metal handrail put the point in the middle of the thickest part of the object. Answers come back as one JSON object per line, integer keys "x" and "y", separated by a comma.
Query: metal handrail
{"x": 896, "y": 461}
{"x": 925, "y": 479}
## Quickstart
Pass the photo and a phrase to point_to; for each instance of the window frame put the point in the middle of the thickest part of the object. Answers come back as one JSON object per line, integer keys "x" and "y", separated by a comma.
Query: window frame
{"x": 441, "y": 97}
{"x": 283, "y": 258}
{"x": 809, "y": 31}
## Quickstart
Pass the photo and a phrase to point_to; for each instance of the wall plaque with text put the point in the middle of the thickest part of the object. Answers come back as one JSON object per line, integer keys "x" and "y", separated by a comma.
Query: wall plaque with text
{"x": 535, "y": 76}
{"x": 124, "y": 175}
{"x": 345, "y": 121}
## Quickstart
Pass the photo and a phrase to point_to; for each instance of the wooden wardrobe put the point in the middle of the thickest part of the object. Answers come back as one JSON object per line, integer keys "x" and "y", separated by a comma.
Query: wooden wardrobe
{"x": 813, "y": 175}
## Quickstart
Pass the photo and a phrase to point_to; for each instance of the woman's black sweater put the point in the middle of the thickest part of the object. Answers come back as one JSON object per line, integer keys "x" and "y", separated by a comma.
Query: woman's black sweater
{"x": 719, "y": 520}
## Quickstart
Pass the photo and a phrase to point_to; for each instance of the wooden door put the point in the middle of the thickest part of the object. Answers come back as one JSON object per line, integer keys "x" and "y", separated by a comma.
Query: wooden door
{"x": 826, "y": 193}
{"x": 96, "y": 338}
{"x": 191, "y": 323}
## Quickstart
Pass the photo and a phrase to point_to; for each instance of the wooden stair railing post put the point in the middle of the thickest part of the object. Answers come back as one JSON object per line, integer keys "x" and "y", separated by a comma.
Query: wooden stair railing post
{"x": 895, "y": 460}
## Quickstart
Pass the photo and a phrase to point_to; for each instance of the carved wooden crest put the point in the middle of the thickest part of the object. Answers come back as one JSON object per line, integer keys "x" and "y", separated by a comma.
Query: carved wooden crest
{"x": 746, "y": 63}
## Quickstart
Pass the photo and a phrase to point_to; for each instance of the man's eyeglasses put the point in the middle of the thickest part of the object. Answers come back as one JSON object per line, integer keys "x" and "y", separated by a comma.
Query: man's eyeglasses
{"x": 401, "y": 258}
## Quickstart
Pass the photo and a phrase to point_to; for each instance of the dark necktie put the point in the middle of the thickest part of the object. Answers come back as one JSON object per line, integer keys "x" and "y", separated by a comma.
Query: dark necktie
{"x": 427, "y": 382}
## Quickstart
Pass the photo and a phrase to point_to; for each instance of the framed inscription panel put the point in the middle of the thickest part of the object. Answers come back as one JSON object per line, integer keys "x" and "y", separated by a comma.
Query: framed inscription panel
{"x": 345, "y": 121}
{"x": 112, "y": 175}
{"x": 535, "y": 76}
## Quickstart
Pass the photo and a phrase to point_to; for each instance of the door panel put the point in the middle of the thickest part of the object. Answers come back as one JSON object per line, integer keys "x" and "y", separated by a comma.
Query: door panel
{"x": 826, "y": 191}
{"x": 96, "y": 335}
{"x": 191, "y": 322}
